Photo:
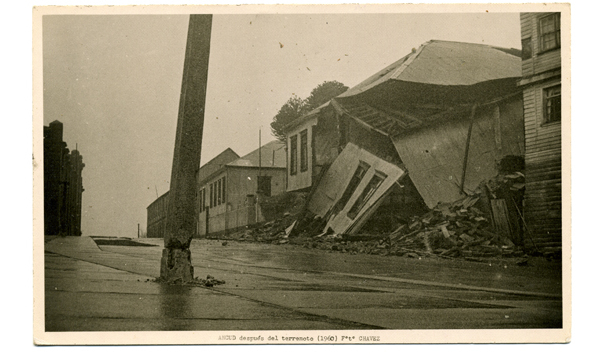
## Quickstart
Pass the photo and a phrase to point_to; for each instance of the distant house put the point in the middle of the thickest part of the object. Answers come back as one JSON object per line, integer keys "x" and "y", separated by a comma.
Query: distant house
{"x": 227, "y": 198}
{"x": 156, "y": 214}
{"x": 446, "y": 114}
{"x": 541, "y": 84}
{"x": 157, "y": 210}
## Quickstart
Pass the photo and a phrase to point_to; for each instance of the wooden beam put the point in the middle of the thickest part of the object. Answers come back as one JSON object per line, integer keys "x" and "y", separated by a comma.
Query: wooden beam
{"x": 465, "y": 161}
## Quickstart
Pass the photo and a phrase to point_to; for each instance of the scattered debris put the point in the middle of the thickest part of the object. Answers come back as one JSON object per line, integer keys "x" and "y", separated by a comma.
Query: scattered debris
{"x": 209, "y": 282}
{"x": 469, "y": 229}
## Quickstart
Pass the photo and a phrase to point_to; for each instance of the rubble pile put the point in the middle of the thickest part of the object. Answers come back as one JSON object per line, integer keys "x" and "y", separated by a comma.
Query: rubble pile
{"x": 283, "y": 210}
{"x": 457, "y": 230}
{"x": 448, "y": 231}
{"x": 276, "y": 231}
{"x": 463, "y": 229}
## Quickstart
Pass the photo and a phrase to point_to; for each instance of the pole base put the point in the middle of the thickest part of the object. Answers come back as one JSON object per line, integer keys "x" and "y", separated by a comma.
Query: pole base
{"x": 176, "y": 266}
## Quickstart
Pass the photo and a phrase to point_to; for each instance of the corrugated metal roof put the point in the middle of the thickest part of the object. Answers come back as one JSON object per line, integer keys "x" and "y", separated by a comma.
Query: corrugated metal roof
{"x": 272, "y": 155}
{"x": 438, "y": 63}
{"x": 447, "y": 64}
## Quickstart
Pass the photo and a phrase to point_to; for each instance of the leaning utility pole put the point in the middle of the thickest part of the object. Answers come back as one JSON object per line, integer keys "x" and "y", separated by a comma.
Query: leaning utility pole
{"x": 176, "y": 262}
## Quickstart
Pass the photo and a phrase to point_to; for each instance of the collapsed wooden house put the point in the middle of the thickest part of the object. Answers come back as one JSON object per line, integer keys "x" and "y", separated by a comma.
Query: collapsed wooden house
{"x": 443, "y": 116}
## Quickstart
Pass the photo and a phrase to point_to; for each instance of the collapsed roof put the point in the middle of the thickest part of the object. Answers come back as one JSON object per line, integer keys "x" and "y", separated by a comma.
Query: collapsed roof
{"x": 439, "y": 77}
{"x": 428, "y": 102}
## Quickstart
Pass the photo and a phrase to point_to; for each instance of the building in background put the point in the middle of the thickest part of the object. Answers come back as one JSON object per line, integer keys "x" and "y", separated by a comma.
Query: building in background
{"x": 228, "y": 198}
{"x": 541, "y": 84}
{"x": 63, "y": 184}
{"x": 157, "y": 210}
{"x": 157, "y": 217}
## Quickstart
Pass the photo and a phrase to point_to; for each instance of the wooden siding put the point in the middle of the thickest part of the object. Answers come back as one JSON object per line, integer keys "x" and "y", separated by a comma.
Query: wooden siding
{"x": 539, "y": 62}
{"x": 543, "y": 171}
{"x": 539, "y": 136}
{"x": 543, "y": 199}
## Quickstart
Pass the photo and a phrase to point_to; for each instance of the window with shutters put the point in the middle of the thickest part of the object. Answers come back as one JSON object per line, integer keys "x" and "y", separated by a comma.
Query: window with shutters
{"x": 304, "y": 150}
{"x": 294, "y": 155}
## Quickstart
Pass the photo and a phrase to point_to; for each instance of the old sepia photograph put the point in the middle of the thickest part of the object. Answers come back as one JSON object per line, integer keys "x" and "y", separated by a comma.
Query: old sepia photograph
{"x": 302, "y": 174}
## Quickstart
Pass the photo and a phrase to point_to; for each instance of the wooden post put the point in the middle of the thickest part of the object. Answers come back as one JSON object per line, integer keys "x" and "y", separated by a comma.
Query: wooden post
{"x": 466, "y": 159}
{"x": 176, "y": 258}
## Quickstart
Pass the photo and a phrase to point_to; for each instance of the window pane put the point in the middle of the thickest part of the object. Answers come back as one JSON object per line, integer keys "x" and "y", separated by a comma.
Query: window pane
{"x": 219, "y": 192}
{"x": 304, "y": 150}
{"x": 549, "y": 30}
{"x": 293, "y": 155}
{"x": 547, "y": 25}
{"x": 549, "y": 42}
{"x": 365, "y": 196}
{"x": 552, "y": 104}
{"x": 357, "y": 177}
{"x": 224, "y": 189}
{"x": 215, "y": 194}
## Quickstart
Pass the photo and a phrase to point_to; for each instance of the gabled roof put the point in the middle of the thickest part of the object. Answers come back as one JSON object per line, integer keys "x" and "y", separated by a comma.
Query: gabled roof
{"x": 225, "y": 157}
{"x": 272, "y": 155}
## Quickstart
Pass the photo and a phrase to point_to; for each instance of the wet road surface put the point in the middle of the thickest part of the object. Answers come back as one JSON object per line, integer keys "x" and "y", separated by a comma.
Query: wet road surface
{"x": 276, "y": 287}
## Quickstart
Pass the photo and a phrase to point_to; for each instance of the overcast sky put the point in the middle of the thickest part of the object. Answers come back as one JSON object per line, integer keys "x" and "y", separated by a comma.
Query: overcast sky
{"x": 114, "y": 82}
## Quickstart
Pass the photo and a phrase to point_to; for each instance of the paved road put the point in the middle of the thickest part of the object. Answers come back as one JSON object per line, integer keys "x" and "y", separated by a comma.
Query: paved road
{"x": 285, "y": 287}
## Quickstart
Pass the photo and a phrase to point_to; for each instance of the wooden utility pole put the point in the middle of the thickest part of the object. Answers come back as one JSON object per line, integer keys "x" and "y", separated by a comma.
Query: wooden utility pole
{"x": 176, "y": 265}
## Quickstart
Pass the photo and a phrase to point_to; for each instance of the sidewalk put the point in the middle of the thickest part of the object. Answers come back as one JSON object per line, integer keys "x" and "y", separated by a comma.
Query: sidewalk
{"x": 88, "y": 289}
{"x": 268, "y": 287}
